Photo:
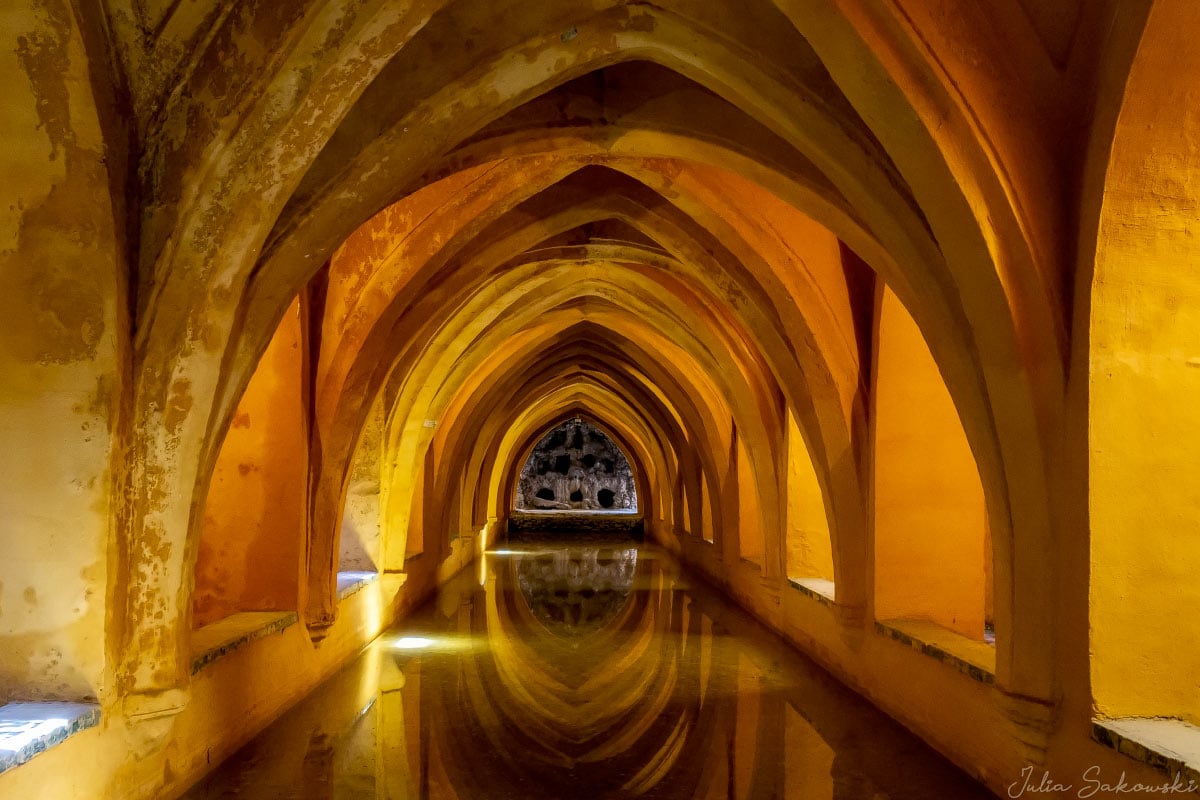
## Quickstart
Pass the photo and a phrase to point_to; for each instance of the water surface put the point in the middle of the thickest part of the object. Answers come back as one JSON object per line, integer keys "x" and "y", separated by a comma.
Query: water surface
{"x": 599, "y": 671}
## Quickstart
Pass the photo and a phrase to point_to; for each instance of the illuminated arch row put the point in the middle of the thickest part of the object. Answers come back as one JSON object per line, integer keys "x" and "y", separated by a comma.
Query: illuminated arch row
{"x": 930, "y": 241}
{"x": 299, "y": 278}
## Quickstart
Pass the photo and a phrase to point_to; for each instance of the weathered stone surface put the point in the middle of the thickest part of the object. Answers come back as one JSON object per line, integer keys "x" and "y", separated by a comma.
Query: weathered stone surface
{"x": 577, "y": 466}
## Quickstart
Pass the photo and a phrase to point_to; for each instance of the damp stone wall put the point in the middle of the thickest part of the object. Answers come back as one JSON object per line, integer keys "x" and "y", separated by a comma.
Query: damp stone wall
{"x": 576, "y": 466}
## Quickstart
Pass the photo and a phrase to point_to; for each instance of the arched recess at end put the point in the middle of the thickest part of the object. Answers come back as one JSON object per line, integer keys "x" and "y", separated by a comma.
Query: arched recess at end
{"x": 576, "y": 466}
{"x": 638, "y": 431}
{"x": 624, "y": 424}
{"x": 1143, "y": 381}
{"x": 644, "y": 431}
{"x": 668, "y": 436}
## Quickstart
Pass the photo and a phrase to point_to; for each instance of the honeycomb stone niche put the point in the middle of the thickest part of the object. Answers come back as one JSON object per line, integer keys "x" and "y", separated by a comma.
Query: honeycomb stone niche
{"x": 576, "y": 467}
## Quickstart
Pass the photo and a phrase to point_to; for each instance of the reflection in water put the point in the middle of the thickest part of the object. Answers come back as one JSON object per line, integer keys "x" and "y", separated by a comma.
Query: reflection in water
{"x": 576, "y": 590}
{"x": 583, "y": 673}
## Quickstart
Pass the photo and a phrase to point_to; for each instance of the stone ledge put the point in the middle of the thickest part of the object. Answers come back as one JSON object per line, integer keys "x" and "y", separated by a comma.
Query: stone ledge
{"x": 629, "y": 522}
{"x": 350, "y": 582}
{"x": 818, "y": 589}
{"x": 226, "y": 635}
{"x": 976, "y": 660}
{"x": 27, "y": 729}
{"x": 1171, "y": 746}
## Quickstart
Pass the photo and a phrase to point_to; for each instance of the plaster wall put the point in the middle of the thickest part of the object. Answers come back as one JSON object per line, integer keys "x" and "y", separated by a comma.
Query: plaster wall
{"x": 255, "y": 515}
{"x": 749, "y": 525}
{"x": 809, "y": 548}
{"x": 929, "y": 514}
{"x": 63, "y": 346}
{"x": 1144, "y": 381}
{"x": 361, "y": 538}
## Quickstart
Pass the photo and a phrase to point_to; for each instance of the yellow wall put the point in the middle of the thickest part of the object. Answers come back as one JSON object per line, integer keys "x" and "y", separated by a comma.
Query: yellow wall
{"x": 928, "y": 514}
{"x": 1144, "y": 440}
{"x": 254, "y": 519}
{"x": 361, "y": 535}
{"x": 750, "y": 534}
{"x": 809, "y": 548}
{"x": 64, "y": 344}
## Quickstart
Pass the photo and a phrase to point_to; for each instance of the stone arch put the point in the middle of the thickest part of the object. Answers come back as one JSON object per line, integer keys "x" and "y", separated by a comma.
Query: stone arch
{"x": 422, "y": 316}
{"x": 648, "y": 430}
{"x": 650, "y": 456}
{"x": 530, "y": 362}
{"x": 234, "y": 308}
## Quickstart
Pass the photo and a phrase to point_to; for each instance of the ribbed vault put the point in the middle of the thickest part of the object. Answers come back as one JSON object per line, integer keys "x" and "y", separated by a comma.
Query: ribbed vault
{"x": 687, "y": 224}
{"x": 888, "y": 302}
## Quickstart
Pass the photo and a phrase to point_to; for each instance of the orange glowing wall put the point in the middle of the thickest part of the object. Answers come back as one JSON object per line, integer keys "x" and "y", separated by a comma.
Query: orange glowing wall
{"x": 929, "y": 519}
{"x": 750, "y": 535}
{"x": 809, "y": 547}
{"x": 251, "y": 545}
{"x": 1144, "y": 377}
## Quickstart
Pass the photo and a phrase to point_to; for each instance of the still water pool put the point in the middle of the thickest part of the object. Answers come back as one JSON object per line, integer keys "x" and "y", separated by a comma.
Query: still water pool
{"x": 583, "y": 672}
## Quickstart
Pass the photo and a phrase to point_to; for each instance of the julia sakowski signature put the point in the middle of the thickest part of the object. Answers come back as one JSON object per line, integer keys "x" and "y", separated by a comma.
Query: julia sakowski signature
{"x": 1093, "y": 785}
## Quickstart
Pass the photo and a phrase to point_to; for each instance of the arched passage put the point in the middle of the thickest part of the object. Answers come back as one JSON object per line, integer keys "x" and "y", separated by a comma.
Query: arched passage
{"x": 746, "y": 241}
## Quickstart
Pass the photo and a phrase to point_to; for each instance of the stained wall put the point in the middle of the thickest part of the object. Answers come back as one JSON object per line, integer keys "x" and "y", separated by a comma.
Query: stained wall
{"x": 251, "y": 542}
{"x": 63, "y": 359}
{"x": 1143, "y": 380}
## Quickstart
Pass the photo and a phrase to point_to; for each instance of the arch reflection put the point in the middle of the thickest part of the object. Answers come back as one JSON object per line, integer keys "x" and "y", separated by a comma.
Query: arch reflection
{"x": 591, "y": 672}
{"x": 573, "y": 591}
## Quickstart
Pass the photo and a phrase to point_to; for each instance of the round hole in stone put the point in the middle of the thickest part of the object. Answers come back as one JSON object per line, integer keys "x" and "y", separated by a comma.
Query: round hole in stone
{"x": 588, "y": 458}
{"x": 546, "y": 493}
{"x": 606, "y": 497}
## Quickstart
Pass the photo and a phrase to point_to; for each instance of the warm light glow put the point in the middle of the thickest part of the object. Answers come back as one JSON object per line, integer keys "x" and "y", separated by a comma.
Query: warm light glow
{"x": 441, "y": 644}
{"x": 374, "y": 612}
{"x": 412, "y": 643}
